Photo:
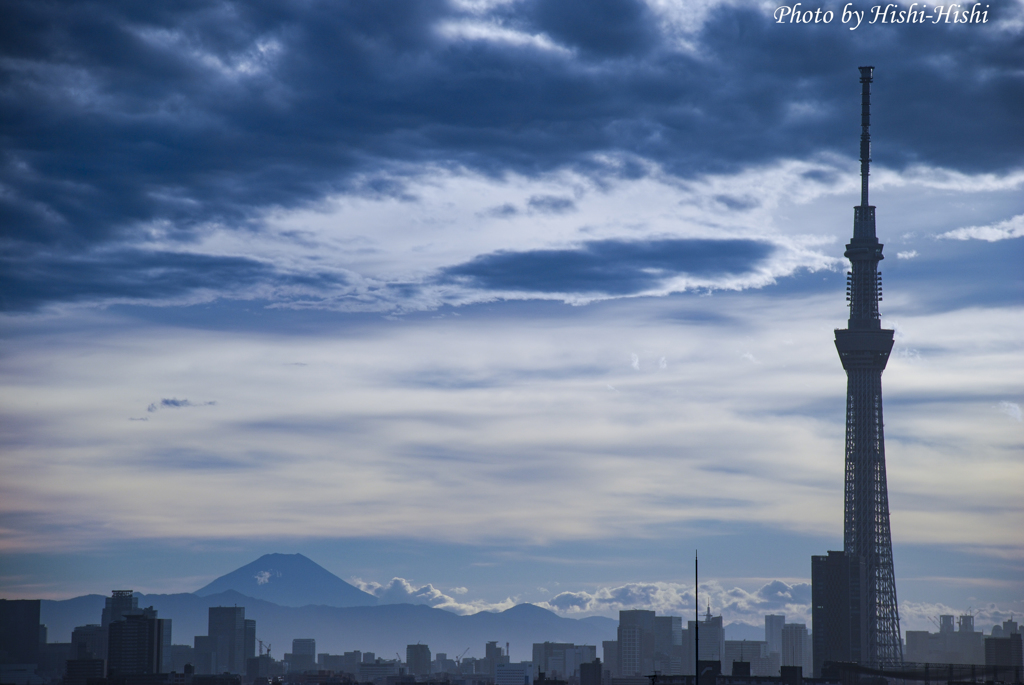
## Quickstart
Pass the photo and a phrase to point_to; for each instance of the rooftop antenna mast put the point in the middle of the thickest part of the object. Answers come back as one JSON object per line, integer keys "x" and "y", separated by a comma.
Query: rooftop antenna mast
{"x": 696, "y": 618}
{"x": 866, "y": 74}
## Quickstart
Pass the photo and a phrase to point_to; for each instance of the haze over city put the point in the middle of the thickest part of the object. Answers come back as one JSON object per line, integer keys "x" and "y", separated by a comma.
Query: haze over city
{"x": 479, "y": 304}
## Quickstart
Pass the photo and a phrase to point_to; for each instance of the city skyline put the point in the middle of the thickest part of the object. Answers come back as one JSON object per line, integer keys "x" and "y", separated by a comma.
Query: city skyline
{"x": 483, "y": 303}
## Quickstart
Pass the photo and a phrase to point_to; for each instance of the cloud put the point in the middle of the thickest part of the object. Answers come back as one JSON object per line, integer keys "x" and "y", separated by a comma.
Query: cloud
{"x": 401, "y": 591}
{"x": 1003, "y": 230}
{"x": 1011, "y": 409}
{"x": 906, "y": 255}
{"x": 32, "y": 278}
{"x": 733, "y": 603}
{"x": 550, "y": 204}
{"x": 263, "y": 577}
{"x": 609, "y": 267}
{"x": 187, "y": 124}
{"x": 125, "y": 172}
{"x": 501, "y": 211}
{"x": 174, "y": 403}
{"x": 604, "y": 28}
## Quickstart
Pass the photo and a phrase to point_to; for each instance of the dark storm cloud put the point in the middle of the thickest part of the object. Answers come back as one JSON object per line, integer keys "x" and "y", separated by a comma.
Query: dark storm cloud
{"x": 613, "y": 267}
{"x": 29, "y": 279}
{"x": 119, "y": 114}
{"x": 601, "y": 28}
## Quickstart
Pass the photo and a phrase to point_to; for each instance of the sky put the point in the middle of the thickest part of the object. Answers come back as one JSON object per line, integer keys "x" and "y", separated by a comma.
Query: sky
{"x": 493, "y": 301}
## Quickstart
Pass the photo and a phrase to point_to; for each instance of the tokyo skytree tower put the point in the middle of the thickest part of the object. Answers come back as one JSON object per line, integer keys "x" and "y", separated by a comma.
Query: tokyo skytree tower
{"x": 864, "y": 348}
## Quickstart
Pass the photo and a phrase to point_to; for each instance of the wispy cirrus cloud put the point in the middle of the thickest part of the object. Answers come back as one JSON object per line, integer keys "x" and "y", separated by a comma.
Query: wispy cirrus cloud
{"x": 1011, "y": 409}
{"x": 175, "y": 403}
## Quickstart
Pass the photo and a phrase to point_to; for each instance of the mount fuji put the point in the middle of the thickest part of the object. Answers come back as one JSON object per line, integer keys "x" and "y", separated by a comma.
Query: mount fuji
{"x": 289, "y": 580}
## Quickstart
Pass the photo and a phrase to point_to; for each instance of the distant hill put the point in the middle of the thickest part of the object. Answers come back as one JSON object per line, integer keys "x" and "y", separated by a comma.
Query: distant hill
{"x": 289, "y": 580}
{"x": 383, "y": 629}
{"x": 744, "y": 631}
{"x": 61, "y": 617}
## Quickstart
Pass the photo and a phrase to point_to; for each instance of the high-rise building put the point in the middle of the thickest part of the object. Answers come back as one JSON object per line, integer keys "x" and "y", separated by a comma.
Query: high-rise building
{"x": 340, "y": 663}
{"x": 668, "y": 645}
{"x": 864, "y": 348}
{"x": 755, "y": 654}
{"x": 262, "y": 666}
{"x": 610, "y": 652}
{"x": 591, "y": 673}
{"x": 1006, "y": 652}
{"x": 961, "y": 645}
{"x": 135, "y": 645}
{"x": 636, "y": 643}
{"x": 89, "y": 642}
{"x": 836, "y": 608}
{"x": 204, "y": 655}
{"x": 250, "y": 639}
{"x": 165, "y": 644}
{"x": 544, "y": 653}
{"x": 1008, "y": 628}
{"x": 226, "y": 630}
{"x": 560, "y": 660}
{"x": 19, "y": 631}
{"x": 302, "y": 658}
{"x": 119, "y": 603}
{"x": 417, "y": 659}
{"x": 81, "y": 671}
{"x": 305, "y": 646}
{"x": 181, "y": 656}
{"x": 493, "y": 655}
{"x": 711, "y": 637}
{"x": 773, "y": 632}
{"x": 796, "y": 647}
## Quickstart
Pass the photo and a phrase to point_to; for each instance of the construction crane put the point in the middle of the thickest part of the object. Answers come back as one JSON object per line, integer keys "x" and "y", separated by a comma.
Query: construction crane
{"x": 458, "y": 659}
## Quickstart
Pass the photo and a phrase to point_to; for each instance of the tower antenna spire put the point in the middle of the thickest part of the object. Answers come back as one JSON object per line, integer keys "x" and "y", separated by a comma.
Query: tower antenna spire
{"x": 866, "y": 74}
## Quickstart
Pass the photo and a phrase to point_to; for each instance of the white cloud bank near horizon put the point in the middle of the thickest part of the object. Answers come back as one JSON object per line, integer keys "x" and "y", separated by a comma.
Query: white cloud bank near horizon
{"x": 735, "y": 604}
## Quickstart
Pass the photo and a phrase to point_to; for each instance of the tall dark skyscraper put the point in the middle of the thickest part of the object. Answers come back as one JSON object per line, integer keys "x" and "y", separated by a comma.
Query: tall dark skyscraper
{"x": 19, "y": 631}
{"x": 417, "y": 659}
{"x": 227, "y": 639}
{"x": 135, "y": 644}
{"x": 837, "y": 609}
{"x": 864, "y": 348}
{"x": 120, "y": 603}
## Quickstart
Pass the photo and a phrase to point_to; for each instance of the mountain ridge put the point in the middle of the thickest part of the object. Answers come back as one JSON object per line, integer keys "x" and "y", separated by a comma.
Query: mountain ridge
{"x": 383, "y": 629}
{"x": 289, "y": 580}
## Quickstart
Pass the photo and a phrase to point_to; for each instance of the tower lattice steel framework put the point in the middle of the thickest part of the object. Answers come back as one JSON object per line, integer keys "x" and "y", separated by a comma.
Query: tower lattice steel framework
{"x": 864, "y": 348}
